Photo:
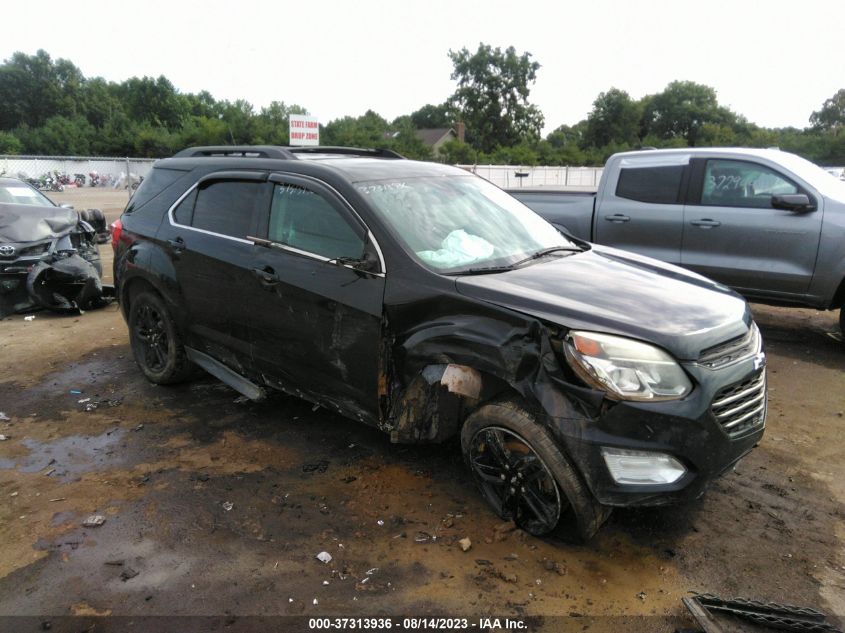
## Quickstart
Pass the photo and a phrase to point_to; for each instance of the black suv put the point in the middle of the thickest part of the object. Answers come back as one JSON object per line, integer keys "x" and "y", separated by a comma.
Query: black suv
{"x": 424, "y": 301}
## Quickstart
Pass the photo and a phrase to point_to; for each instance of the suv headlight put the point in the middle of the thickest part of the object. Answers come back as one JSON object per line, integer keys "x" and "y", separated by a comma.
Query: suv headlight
{"x": 624, "y": 368}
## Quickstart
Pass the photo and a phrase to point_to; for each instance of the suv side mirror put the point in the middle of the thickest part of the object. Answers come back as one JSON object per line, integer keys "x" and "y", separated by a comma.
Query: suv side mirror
{"x": 366, "y": 263}
{"x": 793, "y": 202}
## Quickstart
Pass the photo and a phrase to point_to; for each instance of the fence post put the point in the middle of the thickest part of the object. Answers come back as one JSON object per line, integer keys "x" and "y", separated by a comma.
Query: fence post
{"x": 128, "y": 178}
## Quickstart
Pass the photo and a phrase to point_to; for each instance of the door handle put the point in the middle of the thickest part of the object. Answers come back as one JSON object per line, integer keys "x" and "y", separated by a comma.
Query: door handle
{"x": 267, "y": 276}
{"x": 618, "y": 218}
{"x": 177, "y": 244}
{"x": 706, "y": 223}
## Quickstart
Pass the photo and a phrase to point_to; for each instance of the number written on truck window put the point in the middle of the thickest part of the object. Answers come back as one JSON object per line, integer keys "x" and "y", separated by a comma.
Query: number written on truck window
{"x": 732, "y": 183}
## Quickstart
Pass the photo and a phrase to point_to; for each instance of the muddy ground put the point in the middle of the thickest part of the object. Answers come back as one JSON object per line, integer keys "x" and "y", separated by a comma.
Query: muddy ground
{"x": 218, "y": 507}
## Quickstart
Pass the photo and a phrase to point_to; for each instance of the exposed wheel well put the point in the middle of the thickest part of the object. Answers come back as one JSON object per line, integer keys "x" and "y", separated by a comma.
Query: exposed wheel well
{"x": 131, "y": 289}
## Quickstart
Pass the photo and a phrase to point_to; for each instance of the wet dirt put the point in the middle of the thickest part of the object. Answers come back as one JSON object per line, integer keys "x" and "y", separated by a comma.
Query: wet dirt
{"x": 215, "y": 506}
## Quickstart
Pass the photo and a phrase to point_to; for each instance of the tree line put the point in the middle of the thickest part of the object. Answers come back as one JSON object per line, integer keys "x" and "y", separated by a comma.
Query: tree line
{"x": 49, "y": 107}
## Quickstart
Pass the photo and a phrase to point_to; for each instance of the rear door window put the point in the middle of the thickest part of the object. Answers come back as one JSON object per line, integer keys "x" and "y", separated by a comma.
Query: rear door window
{"x": 227, "y": 207}
{"x": 660, "y": 185}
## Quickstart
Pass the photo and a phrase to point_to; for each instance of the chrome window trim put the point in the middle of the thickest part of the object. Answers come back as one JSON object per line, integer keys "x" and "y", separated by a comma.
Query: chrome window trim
{"x": 285, "y": 247}
{"x": 173, "y": 221}
{"x": 348, "y": 206}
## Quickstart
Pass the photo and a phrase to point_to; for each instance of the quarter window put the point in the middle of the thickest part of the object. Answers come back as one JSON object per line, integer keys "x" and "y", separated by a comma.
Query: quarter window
{"x": 731, "y": 183}
{"x": 227, "y": 207}
{"x": 658, "y": 185}
{"x": 303, "y": 219}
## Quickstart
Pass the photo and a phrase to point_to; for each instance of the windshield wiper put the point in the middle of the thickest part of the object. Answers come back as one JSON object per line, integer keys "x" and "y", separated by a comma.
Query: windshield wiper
{"x": 506, "y": 268}
{"x": 547, "y": 251}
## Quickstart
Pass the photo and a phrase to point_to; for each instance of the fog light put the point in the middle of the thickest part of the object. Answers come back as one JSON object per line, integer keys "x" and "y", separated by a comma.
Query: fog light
{"x": 642, "y": 467}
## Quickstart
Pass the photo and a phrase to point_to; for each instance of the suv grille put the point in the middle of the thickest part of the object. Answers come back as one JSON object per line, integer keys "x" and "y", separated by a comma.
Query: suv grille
{"x": 741, "y": 408}
{"x": 726, "y": 353}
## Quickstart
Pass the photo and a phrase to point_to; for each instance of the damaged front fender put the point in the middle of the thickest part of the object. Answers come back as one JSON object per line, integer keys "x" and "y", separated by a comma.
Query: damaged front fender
{"x": 67, "y": 284}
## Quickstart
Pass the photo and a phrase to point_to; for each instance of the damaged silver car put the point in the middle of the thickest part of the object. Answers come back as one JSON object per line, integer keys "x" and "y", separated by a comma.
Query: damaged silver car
{"x": 48, "y": 255}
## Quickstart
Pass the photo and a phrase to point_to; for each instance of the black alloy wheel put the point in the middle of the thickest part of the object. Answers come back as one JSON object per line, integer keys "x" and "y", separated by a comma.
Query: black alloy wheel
{"x": 154, "y": 343}
{"x": 515, "y": 481}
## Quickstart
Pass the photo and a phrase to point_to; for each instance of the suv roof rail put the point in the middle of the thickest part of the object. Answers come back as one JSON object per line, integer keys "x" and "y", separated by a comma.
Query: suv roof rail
{"x": 279, "y": 151}
{"x": 346, "y": 151}
{"x": 246, "y": 151}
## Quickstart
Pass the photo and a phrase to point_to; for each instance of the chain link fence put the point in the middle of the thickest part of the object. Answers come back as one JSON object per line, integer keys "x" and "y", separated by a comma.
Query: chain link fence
{"x": 515, "y": 176}
{"x": 76, "y": 171}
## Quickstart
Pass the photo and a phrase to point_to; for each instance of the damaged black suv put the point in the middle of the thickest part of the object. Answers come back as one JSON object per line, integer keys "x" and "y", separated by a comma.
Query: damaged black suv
{"x": 424, "y": 301}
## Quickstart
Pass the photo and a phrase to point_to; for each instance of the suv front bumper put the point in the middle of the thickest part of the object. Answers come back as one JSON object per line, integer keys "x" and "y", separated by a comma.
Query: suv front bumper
{"x": 688, "y": 430}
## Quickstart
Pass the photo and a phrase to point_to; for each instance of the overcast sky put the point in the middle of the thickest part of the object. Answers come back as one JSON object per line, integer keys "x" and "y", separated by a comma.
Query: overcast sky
{"x": 774, "y": 62}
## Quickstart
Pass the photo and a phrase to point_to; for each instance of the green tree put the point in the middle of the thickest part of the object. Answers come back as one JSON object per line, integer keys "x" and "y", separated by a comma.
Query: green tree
{"x": 34, "y": 88}
{"x": 58, "y": 136}
{"x": 831, "y": 116}
{"x": 272, "y": 126}
{"x": 681, "y": 110}
{"x": 615, "y": 118}
{"x": 492, "y": 96}
{"x": 9, "y": 143}
{"x": 432, "y": 116}
{"x": 152, "y": 101}
{"x": 367, "y": 130}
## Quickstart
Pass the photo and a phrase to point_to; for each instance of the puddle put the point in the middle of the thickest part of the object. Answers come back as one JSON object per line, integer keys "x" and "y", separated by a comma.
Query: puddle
{"x": 68, "y": 456}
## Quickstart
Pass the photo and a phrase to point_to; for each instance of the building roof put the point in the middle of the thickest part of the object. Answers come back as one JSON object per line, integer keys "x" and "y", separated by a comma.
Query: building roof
{"x": 432, "y": 135}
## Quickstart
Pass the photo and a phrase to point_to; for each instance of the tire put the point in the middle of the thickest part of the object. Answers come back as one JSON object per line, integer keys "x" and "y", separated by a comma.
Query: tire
{"x": 156, "y": 342}
{"x": 524, "y": 476}
{"x": 842, "y": 320}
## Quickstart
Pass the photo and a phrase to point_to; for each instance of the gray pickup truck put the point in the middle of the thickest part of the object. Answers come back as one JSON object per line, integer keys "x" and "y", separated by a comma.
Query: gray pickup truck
{"x": 767, "y": 223}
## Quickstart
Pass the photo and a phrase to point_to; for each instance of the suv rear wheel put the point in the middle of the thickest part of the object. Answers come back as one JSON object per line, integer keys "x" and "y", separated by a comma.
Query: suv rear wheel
{"x": 156, "y": 343}
{"x": 524, "y": 476}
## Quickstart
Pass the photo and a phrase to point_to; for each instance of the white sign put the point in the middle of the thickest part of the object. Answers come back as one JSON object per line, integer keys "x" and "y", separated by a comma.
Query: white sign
{"x": 304, "y": 130}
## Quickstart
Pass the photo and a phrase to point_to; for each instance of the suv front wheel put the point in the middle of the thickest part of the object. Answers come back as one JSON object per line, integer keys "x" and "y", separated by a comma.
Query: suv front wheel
{"x": 156, "y": 343}
{"x": 524, "y": 476}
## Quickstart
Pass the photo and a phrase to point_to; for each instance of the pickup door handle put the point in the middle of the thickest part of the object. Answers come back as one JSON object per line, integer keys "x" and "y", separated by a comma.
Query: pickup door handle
{"x": 706, "y": 223}
{"x": 177, "y": 244}
{"x": 618, "y": 218}
{"x": 267, "y": 276}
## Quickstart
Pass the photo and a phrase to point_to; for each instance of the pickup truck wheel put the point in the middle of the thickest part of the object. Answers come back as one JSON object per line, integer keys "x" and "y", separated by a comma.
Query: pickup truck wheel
{"x": 524, "y": 476}
{"x": 156, "y": 343}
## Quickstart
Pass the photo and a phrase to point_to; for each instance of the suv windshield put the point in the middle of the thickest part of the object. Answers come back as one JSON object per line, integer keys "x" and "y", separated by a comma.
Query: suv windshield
{"x": 461, "y": 223}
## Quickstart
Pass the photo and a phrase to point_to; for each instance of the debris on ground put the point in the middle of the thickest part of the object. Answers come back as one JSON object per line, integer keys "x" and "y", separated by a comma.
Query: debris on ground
{"x": 349, "y": 479}
{"x": 423, "y": 537}
{"x": 29, "y": 318}
{"x": 75, "y": 392}
{"x": 4, "y": 417}
{"x": 128, "y": 574}
{"x": 228, "y": 505}
{"x": 324, "y": 557}
{"x": 465, "y": 544}
{"x": 240, "y": 400}
{"x": 703, "y": 607}
{"x": 3, "y": 438}
{"x": 551, "y": 565}
{"x": 95, "y": 520}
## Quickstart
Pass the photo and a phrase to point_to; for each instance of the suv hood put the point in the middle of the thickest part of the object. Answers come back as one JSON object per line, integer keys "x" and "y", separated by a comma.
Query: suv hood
{"x": 618, "y": 292}
{"x": 21, "y": 223}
